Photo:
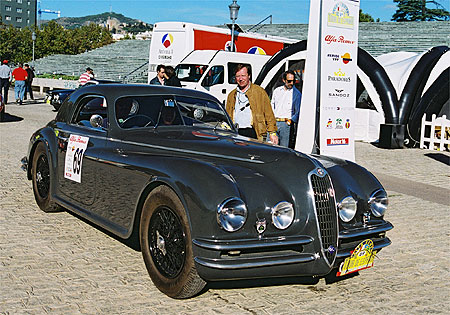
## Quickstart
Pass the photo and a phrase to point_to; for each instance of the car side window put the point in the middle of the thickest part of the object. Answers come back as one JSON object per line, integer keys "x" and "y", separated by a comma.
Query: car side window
{"x": 146, "y": 111}
{"x": 92, "y": 107}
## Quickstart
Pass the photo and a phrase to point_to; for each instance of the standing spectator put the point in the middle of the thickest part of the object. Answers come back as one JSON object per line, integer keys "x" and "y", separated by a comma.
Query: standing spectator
{"x": 20, "y": 75}
{"x": 159, "y": 79}
{"x": 5, "y": 79}
{"x": 171, "y": 78}
{"x": 286, "y": 107}
{"x": 88, "y": 75}
{"x": 29, "y": 81}
{"x": 249, "y": 106}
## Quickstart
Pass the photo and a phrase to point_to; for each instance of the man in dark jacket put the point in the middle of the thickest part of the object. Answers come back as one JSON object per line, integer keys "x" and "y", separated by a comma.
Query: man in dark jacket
{"x": 29, "y": 81}
{"x": 171, "y": 78}
{"x": 160, "y": 78}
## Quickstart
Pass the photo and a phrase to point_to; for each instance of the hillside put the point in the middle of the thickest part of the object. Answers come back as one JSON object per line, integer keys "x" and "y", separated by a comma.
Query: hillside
{"x": 74, "y": 22}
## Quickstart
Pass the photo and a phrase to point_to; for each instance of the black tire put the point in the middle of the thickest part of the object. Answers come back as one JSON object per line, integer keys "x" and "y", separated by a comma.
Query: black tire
{"x": 41, "y": 177}
{"x": 166, "y": 245}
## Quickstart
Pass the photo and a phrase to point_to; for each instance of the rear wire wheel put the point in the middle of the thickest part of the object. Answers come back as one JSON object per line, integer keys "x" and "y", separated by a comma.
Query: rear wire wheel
{"x": 166, "y": 245}
{"x": 41, "y": 177}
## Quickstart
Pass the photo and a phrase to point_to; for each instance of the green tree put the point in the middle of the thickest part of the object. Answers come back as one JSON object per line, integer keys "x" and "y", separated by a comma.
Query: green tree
{"x": 365, "y": 17}
{"x": 417, "y": 10}
{"x": 16, "y": 44}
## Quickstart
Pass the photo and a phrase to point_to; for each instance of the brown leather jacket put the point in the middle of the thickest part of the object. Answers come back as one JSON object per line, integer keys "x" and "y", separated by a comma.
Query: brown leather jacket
{"x": 263, "y": 119}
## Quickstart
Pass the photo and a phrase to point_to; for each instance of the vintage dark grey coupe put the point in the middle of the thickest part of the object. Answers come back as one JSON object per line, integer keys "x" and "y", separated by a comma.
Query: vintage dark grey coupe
{"x": 167, "y": 164}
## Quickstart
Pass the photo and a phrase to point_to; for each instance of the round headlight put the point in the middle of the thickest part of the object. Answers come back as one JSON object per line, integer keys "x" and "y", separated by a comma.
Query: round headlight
{"x": 347, "y": 208}
{"x": 378, "y": 202}
{"x": 232, "y": 214}
{"x": 282, "y": 215}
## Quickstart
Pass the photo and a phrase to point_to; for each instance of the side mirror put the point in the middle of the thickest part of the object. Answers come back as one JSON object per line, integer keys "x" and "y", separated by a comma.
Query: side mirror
{"x": 96, "y": 121}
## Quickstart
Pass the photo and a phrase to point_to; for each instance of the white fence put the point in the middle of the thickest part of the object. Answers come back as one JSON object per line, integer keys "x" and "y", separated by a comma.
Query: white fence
{"x": 439, "y": 136}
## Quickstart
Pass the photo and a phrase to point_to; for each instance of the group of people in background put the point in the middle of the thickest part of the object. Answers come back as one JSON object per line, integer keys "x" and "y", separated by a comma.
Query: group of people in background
{"x": 250, "y": 108}
{"x": 259, "y": 117}
{"x": 23, "y": 77}
{"x": 165, "y": 75}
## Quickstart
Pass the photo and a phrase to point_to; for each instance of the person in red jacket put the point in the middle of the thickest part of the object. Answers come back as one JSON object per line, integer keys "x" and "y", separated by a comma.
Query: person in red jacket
{"x": 20, "y": 75}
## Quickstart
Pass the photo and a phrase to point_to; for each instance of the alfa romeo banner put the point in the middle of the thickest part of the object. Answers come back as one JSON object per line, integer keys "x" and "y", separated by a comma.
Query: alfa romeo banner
{"x": 338, "y": 76}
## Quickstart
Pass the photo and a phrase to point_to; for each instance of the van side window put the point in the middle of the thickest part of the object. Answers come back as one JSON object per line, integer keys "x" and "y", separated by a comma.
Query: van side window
{"x": 214, "y": 76}
{"x": 231, "y": 68}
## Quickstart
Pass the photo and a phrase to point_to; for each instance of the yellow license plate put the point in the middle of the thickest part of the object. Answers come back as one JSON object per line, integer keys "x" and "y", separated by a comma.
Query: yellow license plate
{"x": 362, "y": 258}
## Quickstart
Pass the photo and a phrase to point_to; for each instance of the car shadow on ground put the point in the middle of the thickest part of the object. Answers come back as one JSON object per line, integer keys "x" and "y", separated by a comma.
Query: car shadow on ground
{"x": 11, "y": 118}
{"x": 440, "y": 157}
{"x": 131, "y": 242}
{"x": 270, "y": 282}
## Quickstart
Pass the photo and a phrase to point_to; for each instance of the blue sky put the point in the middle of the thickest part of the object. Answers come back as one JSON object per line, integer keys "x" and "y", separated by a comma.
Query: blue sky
{"x": 207, "y": 12}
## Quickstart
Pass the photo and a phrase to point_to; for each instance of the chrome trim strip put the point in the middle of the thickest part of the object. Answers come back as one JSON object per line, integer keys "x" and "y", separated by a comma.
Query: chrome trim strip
{"x": 245, "y": 263}
{"x": 363, "y": 231}
{"x": 187, "y": 151}
{"x": 251, "y": 244}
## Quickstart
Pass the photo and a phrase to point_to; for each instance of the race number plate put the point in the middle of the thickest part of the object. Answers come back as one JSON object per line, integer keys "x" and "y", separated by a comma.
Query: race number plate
{"x": 362, "y": 257}
{"x": 74, "y": 157}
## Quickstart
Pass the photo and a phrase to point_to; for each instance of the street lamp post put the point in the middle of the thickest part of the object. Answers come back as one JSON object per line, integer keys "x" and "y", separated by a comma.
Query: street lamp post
{"x": 33, "y": 38}
{"x": 234, "y": 9}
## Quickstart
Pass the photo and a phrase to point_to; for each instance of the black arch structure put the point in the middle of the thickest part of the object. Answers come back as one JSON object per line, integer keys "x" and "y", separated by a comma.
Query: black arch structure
{"x": 398, "y": 112}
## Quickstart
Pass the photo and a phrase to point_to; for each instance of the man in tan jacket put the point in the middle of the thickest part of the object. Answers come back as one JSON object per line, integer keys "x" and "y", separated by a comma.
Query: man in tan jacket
{"x": 249, "y": 106}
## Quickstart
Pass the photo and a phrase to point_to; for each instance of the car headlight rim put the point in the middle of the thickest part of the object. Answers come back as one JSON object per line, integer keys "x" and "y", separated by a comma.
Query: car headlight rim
{"x": 232, "y": 214}
{"x": 282, "y": 215}
{"x": 378, "y": 202}
{"x": 347, "y": 208}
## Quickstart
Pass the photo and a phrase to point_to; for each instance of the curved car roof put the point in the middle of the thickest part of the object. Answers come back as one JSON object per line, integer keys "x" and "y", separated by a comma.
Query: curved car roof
{"x": 115, "y": 91}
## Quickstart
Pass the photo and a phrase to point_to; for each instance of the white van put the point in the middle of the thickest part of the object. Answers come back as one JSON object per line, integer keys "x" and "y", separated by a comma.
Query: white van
{"x": 172, "y": 41}
{"x": 213, "y": 70}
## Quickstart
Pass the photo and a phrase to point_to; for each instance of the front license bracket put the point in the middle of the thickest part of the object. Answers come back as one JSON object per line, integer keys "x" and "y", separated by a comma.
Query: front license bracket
{"x": 362, "y": 258}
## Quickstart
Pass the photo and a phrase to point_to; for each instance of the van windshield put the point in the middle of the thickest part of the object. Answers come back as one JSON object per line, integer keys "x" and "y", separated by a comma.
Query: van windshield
{"x": 190, "y": 72}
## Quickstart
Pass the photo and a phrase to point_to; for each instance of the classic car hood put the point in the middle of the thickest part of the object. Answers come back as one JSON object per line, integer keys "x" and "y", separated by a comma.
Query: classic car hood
{"x": 207, "y": 142}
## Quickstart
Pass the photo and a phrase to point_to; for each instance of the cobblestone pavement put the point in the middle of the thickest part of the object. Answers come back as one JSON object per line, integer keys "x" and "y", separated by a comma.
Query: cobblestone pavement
{"x": 56, "y": 263}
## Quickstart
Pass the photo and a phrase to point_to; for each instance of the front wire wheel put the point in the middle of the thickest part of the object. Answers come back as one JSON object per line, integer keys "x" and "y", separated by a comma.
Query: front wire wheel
{"x": 167, "y": 245}
{"x": 41, "y": 177}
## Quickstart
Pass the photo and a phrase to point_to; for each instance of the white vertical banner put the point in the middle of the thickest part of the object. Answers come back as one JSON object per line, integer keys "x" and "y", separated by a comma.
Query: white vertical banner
{"x": 338, "y": 77}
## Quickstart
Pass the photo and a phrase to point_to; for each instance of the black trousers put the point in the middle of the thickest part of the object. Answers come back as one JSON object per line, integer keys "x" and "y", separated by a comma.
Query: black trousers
{"x": 248, "y": 132}
{"x": 28, "y": 89}
{"x": 4, "y": 85}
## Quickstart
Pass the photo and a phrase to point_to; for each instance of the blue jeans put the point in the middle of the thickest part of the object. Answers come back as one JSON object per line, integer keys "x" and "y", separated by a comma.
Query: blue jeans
{"x": 19, "y": 89}
{"x": 283, "y": 133}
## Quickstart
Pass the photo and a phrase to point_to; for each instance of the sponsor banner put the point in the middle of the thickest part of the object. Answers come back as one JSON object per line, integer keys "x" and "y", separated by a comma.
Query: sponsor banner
{"x": 338, "y": 77}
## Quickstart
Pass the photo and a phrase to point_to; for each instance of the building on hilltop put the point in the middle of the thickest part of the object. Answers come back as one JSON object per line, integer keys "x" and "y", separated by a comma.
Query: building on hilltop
{"x": 18, "y": 13}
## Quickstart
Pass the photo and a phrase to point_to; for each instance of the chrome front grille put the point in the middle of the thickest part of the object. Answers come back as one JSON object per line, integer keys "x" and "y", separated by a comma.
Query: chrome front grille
{"x": 326, "y": 214}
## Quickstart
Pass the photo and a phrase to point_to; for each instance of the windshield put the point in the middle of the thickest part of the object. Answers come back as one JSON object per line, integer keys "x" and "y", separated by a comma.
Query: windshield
{"x": 170, "y": 110}
{"x": 199, "y": 112}
{"x": 189, "y": 72}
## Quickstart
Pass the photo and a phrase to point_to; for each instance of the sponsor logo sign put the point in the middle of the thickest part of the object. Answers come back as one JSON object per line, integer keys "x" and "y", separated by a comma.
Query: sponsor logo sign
{"x": 340, "y": 16}
{"x": 337, "y": 141}
{"x": 167, "y": 40}
{"x": 339, "y": 93}
{"x": 338, "y": 76}
{"x": 255, "y": 50}
{"x": 340, "y": 39}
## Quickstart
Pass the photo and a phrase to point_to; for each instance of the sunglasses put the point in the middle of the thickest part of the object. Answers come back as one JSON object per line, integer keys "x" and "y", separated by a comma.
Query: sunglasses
{"x": 289, "y": 81}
